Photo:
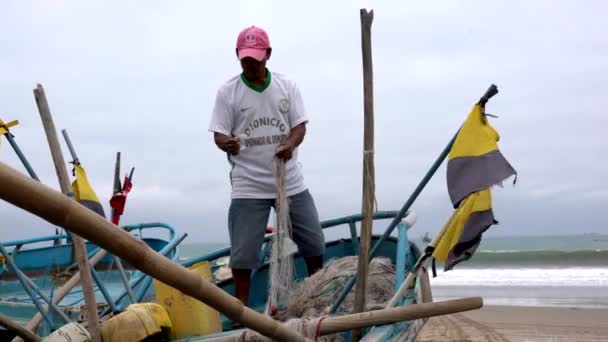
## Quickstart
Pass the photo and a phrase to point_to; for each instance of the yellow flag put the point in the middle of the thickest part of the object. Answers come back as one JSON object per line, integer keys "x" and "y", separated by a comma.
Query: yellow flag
{"x": 84, "y": 193}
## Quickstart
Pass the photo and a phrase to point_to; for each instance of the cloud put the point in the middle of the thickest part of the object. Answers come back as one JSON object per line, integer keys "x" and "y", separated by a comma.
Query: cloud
{"x": 140, "y": 78}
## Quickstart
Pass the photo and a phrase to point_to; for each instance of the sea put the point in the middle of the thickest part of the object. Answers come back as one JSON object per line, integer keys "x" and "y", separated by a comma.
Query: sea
{"x": 564, "y": 271}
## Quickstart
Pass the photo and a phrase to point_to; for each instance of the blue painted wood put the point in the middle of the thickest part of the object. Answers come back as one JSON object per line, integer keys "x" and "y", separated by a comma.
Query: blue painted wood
{"x": 42, "y": 263}
{"x": 11, "y": 139}
{"x": 354, "y": 236}
{"x": 379, "y": 215}
{"x": 26, "y": 286}
{"x": 140, "y": 282}
{"x": 102, "y": 288}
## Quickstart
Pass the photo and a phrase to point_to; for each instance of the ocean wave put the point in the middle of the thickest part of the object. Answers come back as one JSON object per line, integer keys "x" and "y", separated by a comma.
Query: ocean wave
{"x": 537, "y": 258}
{"x": 545, "y": 279}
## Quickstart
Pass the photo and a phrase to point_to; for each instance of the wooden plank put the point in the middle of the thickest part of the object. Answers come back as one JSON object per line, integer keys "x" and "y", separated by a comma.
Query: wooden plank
{"x": 64, "y": 183}
{"x": 334, "y": 324}
{"x": 13, "y": 326}
{"x": 59, "y": 210}
{"x": 368, "y": 167}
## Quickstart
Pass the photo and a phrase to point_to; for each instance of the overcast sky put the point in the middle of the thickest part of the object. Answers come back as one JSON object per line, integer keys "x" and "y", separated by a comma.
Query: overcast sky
{"x": 140, "y": 77}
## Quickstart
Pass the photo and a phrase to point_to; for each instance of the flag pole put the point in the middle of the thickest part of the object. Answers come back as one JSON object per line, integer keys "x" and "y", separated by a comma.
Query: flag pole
{"x": 368, "y": 167}
{"x": 11, "y": 139}
{"x": 78, "y": 242}
{"x": 428, "y": 251}
{"x": 492, "y": 90}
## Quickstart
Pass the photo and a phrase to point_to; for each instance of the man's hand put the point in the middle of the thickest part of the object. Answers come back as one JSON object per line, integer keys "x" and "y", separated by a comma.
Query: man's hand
{"x": 295, "y": 138}
{"x": 230, "y": 145}
{"x": 285, "y": 151}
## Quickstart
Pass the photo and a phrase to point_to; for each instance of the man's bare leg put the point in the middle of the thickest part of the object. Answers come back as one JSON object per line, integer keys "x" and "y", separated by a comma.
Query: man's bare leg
{"x": 313, "y": 264}
{"x": 242, "y": 282}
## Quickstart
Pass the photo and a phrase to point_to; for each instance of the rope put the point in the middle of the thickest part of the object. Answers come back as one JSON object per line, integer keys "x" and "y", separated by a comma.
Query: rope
{"x": 370, "y": 177}
{"x": 309, "y": 328}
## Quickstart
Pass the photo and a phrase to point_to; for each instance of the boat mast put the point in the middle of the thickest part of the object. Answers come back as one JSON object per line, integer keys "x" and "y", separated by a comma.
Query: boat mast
{"x": 64, "y": 183}
{"x": 368, "y": 167}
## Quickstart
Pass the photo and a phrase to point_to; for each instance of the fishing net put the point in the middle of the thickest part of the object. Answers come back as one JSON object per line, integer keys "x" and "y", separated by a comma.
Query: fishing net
{"x": 303, "y": 306}
{"x": 309, "y": 299}
{"x": 281, "y": 262}
{"x": 309, "y": 328}
{"x": 314, "y": 294}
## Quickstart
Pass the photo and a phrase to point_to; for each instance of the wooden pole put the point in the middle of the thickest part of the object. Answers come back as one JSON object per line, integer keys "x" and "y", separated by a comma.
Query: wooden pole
{"x": 368, "y": 166}
{"x": 61, "y": 292}
{"x": 425, "y": 286}
{"x": 64, "y": 183}
{"x": 13, "y": 326}
{"x": 402, "y": 313}
{"x": 332, "y": 325}
{"x": 55, "y": 208}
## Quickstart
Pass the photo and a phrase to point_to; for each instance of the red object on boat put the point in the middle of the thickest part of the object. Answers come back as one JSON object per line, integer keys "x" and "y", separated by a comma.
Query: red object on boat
{"x": 118, "y": 201}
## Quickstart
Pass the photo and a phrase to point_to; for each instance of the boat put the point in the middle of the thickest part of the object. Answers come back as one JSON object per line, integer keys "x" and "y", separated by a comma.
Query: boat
{"x": 52, "y": 263}
{"x": 214, "y": 287}
{"x": 402, "y": 253}
{"x": 46, "y": 266}
{"x": 49, "y": 262}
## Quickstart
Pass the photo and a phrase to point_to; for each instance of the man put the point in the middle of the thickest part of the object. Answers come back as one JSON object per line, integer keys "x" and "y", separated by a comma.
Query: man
{"x": 258, "y": 116}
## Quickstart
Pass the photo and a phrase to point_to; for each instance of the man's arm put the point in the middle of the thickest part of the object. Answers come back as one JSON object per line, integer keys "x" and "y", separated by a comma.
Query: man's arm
{"x": 294, "y": 139}
{"x": 227, "y": 144}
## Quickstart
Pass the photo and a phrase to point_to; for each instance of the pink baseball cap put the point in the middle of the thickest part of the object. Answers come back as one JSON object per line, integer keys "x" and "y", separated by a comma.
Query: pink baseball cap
{"x": 252, "y": 42}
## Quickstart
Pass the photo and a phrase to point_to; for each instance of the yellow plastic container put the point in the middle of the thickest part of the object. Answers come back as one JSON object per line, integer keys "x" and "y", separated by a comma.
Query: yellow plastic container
{"x": 136, "y": 324}
{"x": 188, "y": 315}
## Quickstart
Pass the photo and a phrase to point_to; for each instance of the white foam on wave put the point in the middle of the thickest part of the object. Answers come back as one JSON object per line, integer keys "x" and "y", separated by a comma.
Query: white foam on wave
{"x": 574, "y": 276}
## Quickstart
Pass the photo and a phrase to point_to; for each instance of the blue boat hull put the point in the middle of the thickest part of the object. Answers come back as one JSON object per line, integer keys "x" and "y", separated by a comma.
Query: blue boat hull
{"x": 50, "y": 266}
{"x": 334, "y": 249}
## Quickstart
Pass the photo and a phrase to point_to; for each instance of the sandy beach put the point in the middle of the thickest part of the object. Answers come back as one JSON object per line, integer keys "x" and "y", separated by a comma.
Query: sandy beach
{"x": 519, "y": 323}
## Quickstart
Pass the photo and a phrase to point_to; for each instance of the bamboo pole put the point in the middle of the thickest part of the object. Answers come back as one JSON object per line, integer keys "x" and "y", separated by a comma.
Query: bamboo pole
{"x": 425, "y": 286}
{"x": 398, "y": 314}
{"x": 368, "y": 166}
{"x": 55, "y": 208}
{"x": 61, "y": 292}
{"x": 64, "y": 183}
{"x": 22, "y": 332}
{"x": 332, "y": 325}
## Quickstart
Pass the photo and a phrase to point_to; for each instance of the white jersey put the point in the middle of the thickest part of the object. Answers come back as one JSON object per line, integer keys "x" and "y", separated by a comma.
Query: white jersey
{"x": 262, "y": 117}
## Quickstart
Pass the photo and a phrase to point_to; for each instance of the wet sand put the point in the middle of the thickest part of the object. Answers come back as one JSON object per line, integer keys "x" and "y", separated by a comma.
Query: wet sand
{"x": 518, "y": 324}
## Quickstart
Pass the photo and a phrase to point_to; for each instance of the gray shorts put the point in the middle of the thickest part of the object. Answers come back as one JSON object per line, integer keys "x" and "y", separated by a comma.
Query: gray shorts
{"x": 247, "y": 221}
